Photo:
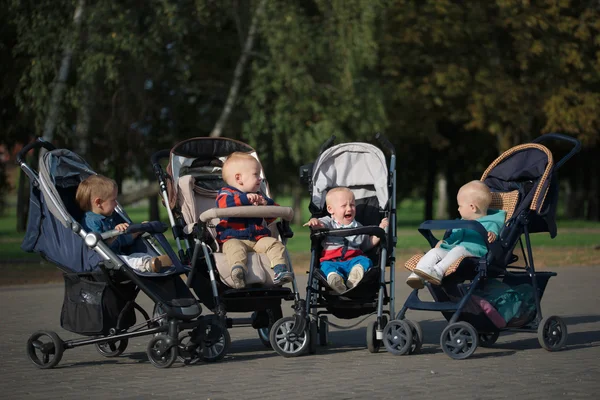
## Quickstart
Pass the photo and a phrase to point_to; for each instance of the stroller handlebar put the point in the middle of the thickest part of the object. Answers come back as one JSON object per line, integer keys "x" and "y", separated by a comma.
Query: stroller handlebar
{"x": 36, "y": 144}
{"x": 385, "y": 143}
{"x": 159, "y": 155}
{"x": 285, "y": 213}
{"x": 149, "y": 227}
{"x": 371, "y": 230}
{"x": 564, "y": 138}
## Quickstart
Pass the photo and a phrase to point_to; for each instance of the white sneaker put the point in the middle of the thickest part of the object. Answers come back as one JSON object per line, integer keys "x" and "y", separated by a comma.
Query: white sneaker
{"x": 355, "y": 276}
{"x": 336, "y": 282}
{"x": 430, "y": 274}
{"x": 414, "y": 281}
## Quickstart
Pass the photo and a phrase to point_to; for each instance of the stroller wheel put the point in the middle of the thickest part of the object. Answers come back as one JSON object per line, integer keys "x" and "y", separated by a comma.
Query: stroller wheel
{"x": 323, "y": 330}
{"x": 159, "y": 352}
{"x": 45, "y": 349}
{"x": 552, "y": 333}
{"x": 398, "y": 337}
{"x": 417, "y": 336}
{"x": 374, "y": 344}
{"x": 488, "y": 339}
{"x": 216, "y": 342}
{"x": 459, "y": 340}
{"x": 285, "y": 342}
{"x": 112, "y": 348}
{"x": 263, "y": 333}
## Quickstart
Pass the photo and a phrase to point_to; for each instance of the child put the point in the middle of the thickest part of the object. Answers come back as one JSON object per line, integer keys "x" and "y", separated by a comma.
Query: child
{"x": 343, "y": 259}
{"x": 238, "y": 236}
{"x": 97, "y": 196}
{"x": 473, "y": 198}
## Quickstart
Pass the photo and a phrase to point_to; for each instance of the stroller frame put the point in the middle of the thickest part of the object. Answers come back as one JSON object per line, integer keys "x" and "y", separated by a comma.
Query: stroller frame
{"x": 299, "y": 334}
{"x": 45, "y": 348}
{"x": 264, "y": 301}
{"x": 460, "y": 339}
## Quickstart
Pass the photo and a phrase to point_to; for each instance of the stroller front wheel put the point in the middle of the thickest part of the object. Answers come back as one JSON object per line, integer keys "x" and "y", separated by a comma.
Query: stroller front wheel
{"x": 552, "y": 333}
{"x": 162, "y": 353}
{"x": 286, "y": 342}
{"x": 112, "y": 348}
{"x": 459, "y": 340}
{"x": 398, "y": 337}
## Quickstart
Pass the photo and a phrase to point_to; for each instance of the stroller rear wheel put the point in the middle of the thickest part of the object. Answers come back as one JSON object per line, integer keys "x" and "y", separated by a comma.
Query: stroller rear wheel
{"x": 263, "y": 333}
{"x": 459, "y": 340}
{"x": 488, "y": 339}
{"x": 285, "y": 342}
{"x": 552, "y": 333}
{"x": 159, "y": 352}
{"x": 112, "y": 348}
{"x": 45, "y": 349}
{"x": 398, "y": 337}
{"x": 374, "y": 344}
{"x": 417, "y": 336}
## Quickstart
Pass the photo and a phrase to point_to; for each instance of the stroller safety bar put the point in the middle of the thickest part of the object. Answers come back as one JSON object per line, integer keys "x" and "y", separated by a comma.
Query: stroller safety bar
{"x": 363, "y": 230}
{"x": 426, "y": 227}
{"x": 286, "y": 213}
{"x": 149, "y": 227}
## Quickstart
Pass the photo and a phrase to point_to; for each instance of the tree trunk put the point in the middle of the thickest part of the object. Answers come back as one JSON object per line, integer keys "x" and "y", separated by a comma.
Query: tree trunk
{"x": 61, "y": 80}
{"x": 84, "y": 120}
{"x": 442, "y": 201}
{"x": 237, "y": 75}
{"x": 430, "y": 186}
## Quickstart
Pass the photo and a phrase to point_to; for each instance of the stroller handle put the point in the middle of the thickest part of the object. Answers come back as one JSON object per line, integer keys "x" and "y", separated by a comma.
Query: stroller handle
{"x": 560, "y": 137}
{"x": 385, "y": 143}
{"x": 327, "y": 144}
{"x": 285, "y": 213}
{"x": 159, "y": 155}
{"x": 36, "y": 144}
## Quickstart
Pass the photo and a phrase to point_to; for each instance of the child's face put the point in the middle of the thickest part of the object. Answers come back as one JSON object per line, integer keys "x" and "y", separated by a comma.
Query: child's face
{"x": 248, "y": 179}
{"x": 106, "y": 206}
{"x": 466, "y": 205}
{"x": 342, "y": 208}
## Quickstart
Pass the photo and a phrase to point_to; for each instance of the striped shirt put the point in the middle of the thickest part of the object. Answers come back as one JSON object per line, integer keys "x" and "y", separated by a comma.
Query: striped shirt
{"x": 343, "y": 248}
{"x": 240, "y": 228}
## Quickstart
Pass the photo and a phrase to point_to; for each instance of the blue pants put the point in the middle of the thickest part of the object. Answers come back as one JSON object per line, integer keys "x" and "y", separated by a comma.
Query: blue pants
{"x": 343, "y": 267}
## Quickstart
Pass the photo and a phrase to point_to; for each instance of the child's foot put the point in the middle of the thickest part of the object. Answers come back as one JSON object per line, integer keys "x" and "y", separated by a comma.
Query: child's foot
{"x": 238, "y": 277}
{"x": 336, "y": 282}
{"x": 160, "y": 262}
{"x": 354, "y": 277}
{"x": 282, "y": 274}
{"x": 430, "y": 274}
{"x": 414, "y": 281}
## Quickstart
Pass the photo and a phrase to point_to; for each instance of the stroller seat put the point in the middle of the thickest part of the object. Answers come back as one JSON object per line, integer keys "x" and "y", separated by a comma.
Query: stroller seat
{"x": 506, "y": 201}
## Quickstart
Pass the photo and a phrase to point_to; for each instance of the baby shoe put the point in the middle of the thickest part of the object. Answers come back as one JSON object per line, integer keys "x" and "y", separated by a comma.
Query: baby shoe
{"x": 354, "y": 277}
{"x": 336, "y": 282}
{"x": 414, "y": 281}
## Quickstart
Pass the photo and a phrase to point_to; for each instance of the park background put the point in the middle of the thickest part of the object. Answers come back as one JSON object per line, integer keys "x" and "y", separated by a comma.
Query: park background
{"x": 451, "y": 84}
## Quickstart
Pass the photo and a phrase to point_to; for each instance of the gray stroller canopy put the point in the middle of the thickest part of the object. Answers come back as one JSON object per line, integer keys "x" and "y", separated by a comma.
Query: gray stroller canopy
{"x": 61, "y": 168}
{"x": 358, "y": 166}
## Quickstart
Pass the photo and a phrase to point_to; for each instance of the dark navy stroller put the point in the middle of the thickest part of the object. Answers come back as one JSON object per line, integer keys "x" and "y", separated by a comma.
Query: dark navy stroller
{"x": 523, "y": 181}
{"x": 100, "y": 289}
{"x": 363, "y": 168}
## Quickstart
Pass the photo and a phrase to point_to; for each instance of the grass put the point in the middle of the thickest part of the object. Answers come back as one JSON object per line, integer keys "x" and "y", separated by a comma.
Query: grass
{"x": 574, "y": 245}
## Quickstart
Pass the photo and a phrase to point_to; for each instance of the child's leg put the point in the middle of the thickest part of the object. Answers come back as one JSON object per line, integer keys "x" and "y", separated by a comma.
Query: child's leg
{"x": 453, "y": 255}
{"x": 146, "y": 263}
{"x": 426, "y": 266}
{"x": 357, "y": 268}
{"x": 275, "y": 250}
{"x": 236, "y": 252}
{"x": 334, "y": 279}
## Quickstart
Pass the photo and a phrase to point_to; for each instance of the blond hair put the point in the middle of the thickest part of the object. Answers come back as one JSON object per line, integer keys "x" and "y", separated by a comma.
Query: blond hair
{"x": 479, "y": 194}
{"x": 94, "y": 186}
{"x": 234, "y": 164}
{"x": 335, "y": 191}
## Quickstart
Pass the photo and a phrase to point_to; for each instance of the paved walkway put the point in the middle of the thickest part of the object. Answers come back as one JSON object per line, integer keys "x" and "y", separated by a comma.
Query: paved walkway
{"x": 515, "y": 368}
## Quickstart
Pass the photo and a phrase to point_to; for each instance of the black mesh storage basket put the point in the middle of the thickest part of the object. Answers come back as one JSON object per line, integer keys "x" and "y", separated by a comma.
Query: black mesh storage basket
{"x": 92, "y": 307}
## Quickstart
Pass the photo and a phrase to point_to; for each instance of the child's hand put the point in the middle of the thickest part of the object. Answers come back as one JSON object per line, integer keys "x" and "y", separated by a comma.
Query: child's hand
{"x": 261, "y": 201}
{"x": 384, "y": 223}
{"x": 491, "y": 237}
{"x": 438, "y": 244}
{"x": 122, "y": 227}
{"x": 253, "y": 198}
{"x": 314, "y": 223}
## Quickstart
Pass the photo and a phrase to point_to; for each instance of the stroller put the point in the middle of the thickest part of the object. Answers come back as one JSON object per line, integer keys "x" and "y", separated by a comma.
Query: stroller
{"x": 189, "y": 189}
{"x": 362, "y": 168}
{"x": 100, "y": 289}
{"x": 523, "y": 181}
